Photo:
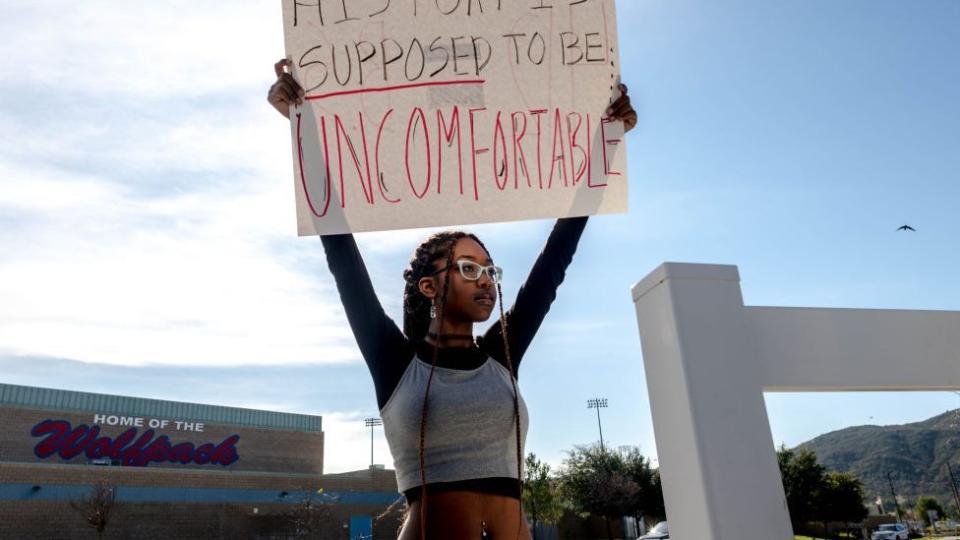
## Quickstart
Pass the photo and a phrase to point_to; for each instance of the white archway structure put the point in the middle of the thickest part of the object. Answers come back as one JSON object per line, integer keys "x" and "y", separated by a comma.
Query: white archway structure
{"x": 708, "y": 360}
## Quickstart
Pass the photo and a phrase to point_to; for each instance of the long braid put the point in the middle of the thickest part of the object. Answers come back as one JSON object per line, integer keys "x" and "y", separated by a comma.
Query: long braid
{"x": 426, "y": 393}
{"x": 516, "y": 405}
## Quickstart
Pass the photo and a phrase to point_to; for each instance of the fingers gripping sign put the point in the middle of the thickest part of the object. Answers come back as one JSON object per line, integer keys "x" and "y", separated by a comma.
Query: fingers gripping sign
{"x": 286, "y": 91}
{"x": 621, "y": 109}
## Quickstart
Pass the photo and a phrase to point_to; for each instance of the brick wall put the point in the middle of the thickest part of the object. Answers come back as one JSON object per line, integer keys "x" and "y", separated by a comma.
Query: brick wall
{"x": 276, "y": 467}
{"x": 376, "y": 480}
{"x": 57, "y": 519}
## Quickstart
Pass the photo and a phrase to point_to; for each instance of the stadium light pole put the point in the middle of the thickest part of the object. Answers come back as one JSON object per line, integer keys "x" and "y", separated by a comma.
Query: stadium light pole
{"x": 598, "y": 403}
{"x": 371, "y": 423}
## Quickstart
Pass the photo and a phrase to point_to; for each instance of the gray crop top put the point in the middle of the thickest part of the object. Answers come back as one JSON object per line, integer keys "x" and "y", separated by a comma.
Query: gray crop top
{"x": 471, "y": 433}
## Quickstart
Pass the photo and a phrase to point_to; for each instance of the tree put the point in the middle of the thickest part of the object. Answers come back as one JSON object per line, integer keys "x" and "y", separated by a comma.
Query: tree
{"x": 840, "y": 498}
{"x": 802, "y": 479}
{"x": 814, "y": 494}
{"x": 97, "y": 505}
{"x": 924, "y": 504}
{"x": 541, "y": 495}
{"x": 648, "y": 479}
{"x": 610, "y": 484}
{"x": 652, "y": 504}
{"x": 311, "y": 517}
{"x": 393, "y": 517}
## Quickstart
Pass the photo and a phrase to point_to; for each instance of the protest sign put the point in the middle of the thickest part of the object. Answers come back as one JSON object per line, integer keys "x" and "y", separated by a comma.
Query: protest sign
{"x": 445, "y": 112}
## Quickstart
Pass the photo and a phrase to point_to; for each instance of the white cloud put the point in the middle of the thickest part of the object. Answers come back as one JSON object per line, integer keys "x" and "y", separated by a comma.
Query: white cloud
{"x": 85, "y": 279}
{"x": 346, "y": 443}
{"x": 44, "y": 190}
{"x": 142, "y": 49}
{"x": 148, "y": 212}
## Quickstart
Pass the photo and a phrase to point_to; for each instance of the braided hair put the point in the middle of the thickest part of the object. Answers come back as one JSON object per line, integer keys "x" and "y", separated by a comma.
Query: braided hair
{"x": 416, "y": 323}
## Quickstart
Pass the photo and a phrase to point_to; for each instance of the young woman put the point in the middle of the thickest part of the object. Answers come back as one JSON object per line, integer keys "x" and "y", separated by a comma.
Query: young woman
{"x": 453, "y": 416}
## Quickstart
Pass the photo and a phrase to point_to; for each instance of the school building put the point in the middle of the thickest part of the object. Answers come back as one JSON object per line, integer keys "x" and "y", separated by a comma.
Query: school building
{"x": 176, "y": 470}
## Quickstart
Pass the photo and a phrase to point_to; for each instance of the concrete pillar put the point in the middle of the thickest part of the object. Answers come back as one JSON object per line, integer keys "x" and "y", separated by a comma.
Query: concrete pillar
{"x": 717, "y": 460}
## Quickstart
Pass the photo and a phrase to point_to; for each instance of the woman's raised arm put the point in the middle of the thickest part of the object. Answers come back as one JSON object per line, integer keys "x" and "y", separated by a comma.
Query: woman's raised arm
{"x": 383, "y": 346}
{"x": 540, "y": 289}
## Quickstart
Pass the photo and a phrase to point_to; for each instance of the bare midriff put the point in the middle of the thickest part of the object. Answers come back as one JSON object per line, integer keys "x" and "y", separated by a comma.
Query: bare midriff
{"x": 465, "y": 515}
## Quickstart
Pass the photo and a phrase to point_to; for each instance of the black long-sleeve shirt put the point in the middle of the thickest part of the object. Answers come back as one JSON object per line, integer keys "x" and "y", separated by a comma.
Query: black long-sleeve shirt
{"x": 388, "y": 352}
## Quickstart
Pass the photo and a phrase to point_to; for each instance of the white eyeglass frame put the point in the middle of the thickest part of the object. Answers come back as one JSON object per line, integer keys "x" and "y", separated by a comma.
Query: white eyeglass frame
{"x": 494, "y": 272}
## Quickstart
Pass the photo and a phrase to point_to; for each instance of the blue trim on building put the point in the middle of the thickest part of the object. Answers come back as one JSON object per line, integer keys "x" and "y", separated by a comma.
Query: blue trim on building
{"x": 138, "y": 494}
{"x": 48, "y": 398}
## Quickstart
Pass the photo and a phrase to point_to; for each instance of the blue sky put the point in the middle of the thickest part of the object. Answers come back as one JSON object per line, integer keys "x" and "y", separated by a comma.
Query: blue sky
{"x": 147, "y": 233}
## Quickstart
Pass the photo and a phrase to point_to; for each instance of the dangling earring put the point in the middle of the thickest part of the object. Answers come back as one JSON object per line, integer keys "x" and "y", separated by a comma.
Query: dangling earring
{"x": 433, "y": 308}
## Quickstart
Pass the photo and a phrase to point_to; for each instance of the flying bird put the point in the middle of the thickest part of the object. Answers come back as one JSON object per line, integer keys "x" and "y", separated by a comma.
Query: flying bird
{"x": 907, "y": 228}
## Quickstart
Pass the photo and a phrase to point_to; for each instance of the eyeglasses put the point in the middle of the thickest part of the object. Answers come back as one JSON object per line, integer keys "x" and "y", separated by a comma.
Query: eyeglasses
{"x": 472, "y": 271}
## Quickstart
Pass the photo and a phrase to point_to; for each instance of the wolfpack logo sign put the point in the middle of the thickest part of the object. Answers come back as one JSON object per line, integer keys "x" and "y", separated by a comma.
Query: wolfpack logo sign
{"x": 68, "y": 442}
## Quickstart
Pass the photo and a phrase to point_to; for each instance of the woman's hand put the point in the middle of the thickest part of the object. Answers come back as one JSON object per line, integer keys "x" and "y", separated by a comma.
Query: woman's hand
{"x": 622, "y": 110}
{"x": 286, "y": 91}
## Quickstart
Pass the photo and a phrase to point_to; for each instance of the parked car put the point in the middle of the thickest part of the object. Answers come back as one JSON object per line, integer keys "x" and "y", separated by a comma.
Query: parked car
{"x": 891, "y": 531}
{"x": 658, "y": 532}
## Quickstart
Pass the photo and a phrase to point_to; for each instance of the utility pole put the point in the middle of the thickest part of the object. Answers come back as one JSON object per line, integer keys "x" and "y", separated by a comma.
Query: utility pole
{"x": 598, "y": 403}
{"x": 371, "y": 423}
{"x": 953, "y": 484}
{"x": 895, "y": 501}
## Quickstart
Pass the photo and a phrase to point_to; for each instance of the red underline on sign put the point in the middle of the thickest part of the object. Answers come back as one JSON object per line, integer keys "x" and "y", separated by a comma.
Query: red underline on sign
{"x": 393, "y": 88}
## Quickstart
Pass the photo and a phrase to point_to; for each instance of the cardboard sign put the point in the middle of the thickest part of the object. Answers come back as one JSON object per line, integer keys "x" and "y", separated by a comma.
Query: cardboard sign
{"x": 445, "y": 112}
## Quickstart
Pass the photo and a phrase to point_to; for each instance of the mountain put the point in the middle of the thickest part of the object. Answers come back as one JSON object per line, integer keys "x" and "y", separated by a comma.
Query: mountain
{"x": 916, "y": 456}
